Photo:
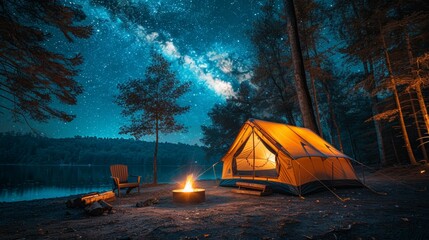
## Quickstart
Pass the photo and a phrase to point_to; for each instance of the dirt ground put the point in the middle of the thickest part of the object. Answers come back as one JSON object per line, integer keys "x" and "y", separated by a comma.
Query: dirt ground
{"x": 401, "y": 214}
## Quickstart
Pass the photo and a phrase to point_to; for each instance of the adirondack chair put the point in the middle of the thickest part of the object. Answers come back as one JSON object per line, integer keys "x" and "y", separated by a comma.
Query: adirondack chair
{"x": 121, "y": 179}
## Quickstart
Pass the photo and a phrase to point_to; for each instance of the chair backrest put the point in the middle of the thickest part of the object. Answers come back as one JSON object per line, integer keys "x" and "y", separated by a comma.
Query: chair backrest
{"x": 120, "y": 171}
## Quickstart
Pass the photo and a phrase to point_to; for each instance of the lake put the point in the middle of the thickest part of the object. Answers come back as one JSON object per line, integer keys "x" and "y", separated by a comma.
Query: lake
{"x": 29, "y": 182}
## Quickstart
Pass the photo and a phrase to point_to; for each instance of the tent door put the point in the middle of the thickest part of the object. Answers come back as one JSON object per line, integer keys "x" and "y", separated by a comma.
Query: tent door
{"x": 255, "y": 159}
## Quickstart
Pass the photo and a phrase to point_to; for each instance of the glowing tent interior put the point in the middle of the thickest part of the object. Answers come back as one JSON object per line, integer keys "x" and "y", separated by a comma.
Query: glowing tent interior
{"x": 289, "y": 159}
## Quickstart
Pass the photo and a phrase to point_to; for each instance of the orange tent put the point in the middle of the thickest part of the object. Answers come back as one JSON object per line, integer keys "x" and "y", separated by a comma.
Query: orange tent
{"x": 290, "y": 159}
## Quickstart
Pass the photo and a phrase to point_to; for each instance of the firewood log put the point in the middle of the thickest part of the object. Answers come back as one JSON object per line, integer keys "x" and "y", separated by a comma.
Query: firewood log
{"x": 105, "y": 205}
{"x": 106, "y": 196}
{"x": 95, "y": 209}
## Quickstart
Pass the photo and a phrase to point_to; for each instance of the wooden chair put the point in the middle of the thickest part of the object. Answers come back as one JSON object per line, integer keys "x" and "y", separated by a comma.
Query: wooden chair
{"x": 121, "y": 178}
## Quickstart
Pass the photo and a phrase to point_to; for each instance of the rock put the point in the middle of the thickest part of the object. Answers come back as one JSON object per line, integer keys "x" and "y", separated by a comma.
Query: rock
{"x": 148, "y": 202}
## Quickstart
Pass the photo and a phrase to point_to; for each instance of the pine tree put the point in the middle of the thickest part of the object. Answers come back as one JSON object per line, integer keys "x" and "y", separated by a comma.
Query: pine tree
{"x": 32, "y": 76}
{"x": 151, "y": 103}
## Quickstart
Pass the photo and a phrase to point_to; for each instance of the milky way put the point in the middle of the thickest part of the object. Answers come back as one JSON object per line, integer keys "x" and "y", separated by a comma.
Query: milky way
{"x": 206, "y": 41}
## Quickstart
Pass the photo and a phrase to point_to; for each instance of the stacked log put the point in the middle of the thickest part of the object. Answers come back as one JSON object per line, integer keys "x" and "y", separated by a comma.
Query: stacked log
{"x": 95, "y": 204}
{"x": 106, "y": 196}
{"x": 98, "y": 208}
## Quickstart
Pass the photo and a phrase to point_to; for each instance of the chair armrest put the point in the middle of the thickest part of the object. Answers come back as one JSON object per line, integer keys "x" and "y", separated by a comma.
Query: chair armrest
{"x": 116, "y": 180}
{"x": 138, "y": 177}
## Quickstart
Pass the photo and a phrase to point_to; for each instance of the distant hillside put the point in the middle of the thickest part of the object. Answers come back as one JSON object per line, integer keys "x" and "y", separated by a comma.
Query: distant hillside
{"x": 28, "y": 149}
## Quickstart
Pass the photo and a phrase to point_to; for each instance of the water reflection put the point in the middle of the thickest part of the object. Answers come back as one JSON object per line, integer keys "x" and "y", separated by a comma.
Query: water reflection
{"x": 28, "y": 182}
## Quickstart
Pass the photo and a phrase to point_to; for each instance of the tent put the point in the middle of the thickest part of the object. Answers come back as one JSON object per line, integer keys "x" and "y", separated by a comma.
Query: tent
{"x": 290, "y": 159}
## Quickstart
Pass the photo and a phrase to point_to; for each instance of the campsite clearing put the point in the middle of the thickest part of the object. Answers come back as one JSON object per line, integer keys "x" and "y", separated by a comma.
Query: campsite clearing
{"x": 402, "y": 214}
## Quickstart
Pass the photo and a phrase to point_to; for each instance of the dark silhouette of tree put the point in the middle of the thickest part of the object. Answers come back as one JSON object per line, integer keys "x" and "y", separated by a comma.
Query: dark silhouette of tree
{"x": 151, "y": 103}
{"x": 227, "y": 119}
{"x": 31, "y": 75}
{"x": 18, "y": 148}
{"x": 311, "y": 14}
{"x": 422, "y": 73}
{"x": 276, "y": 94}
{"x": 304, "y": 99}
{"x": 385, "y": 36}
{"x": 354, "y": 26}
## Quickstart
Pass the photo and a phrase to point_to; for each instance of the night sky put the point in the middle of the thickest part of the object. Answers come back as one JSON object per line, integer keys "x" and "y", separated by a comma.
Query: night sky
{"x": 206, "y": 41}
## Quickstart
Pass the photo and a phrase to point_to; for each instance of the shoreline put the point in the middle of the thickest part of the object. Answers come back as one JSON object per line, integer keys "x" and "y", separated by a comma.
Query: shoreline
{"x": 227, "y": 215}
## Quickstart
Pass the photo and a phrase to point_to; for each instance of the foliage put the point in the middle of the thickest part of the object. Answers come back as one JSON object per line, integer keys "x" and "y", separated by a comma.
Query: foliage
{"x": 151, "y": 103}
{"x": 350, "y": 90}
{"x": 276, "y": 94}
{"x": 27, "y": 149}
{"x": 31, "y": 75}
{"x": 227, "y": 119}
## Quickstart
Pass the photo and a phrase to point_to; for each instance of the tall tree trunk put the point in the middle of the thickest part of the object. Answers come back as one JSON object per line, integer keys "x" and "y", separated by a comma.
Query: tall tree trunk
{"x": 363, "y": 26}
{"x": 423, "y": 106}
{"x": 303, "y": 94}
{"x": 418, "y": 89}
{"x": 412, "y": 67}
{"x": 316, "y": 101}
{"x": 374, "y": 110}
{"x": 313, "y": 88}
{"x": 333, "y": 119}
{"x": 378, "y": 131}
{"x": 397, "y": 101}
{"x": 155, "y": 154}
{"x": 419, "y": 132}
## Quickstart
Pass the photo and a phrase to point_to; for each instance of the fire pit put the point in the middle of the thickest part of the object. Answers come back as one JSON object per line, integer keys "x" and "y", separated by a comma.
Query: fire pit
{"x": 189, "y": 194}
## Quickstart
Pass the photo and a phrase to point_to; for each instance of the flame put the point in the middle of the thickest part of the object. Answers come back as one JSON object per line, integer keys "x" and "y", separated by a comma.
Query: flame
{"x": 188, "y": 185}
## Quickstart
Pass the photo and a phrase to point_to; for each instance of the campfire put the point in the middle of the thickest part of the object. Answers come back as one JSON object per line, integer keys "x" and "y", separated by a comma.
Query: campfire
{"x": 189, "y": 194}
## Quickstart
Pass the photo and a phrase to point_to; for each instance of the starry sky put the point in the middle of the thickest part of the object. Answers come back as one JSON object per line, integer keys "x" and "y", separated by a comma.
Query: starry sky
{"x": 206, "y": 41}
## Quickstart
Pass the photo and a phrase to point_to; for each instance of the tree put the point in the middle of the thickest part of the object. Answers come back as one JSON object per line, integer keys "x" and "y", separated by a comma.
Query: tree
{"x": 275, "y": 92}
{"x": 355, "y": 26}
{"x": 379, "y": 34}
{"x": 303, "y": 94}
{"x": 31, "y": 75}
{"x": 309, "y": 13}
{"x": 422, "y": 69}
{"x": 227, "y": 119}
{"x": 151, "y": 103}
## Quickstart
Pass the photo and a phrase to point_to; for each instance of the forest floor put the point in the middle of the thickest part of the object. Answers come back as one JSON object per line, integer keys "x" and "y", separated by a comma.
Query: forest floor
{"x": 401, "y": 214}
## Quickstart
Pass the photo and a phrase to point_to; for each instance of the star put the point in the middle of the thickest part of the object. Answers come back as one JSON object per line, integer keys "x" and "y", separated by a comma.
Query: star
{"x": 204, "y": 40}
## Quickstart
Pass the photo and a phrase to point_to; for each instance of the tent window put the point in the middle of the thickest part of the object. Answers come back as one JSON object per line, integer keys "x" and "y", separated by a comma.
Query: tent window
{"x": 255, "y": 158}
